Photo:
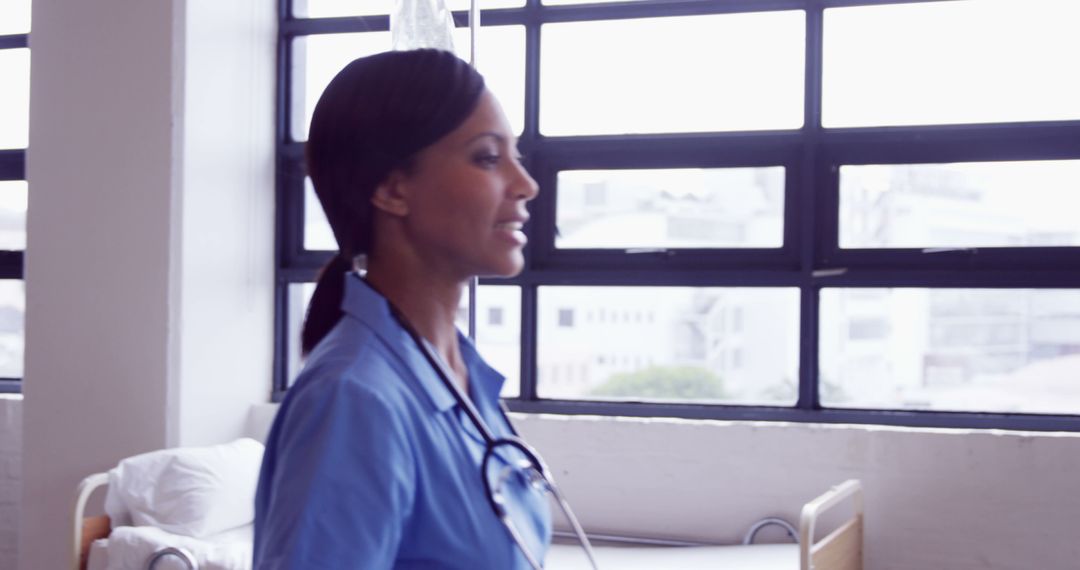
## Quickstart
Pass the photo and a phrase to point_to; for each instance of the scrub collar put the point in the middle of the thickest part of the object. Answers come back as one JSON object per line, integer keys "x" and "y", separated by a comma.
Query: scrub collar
{"x": 363, "y": 303}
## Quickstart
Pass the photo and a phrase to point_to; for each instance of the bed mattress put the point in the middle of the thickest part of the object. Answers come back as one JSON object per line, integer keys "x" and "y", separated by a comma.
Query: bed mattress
{"x": 753, "y": 557}
{"x": 572, "y": 557}
{"x": 128, "y": 548}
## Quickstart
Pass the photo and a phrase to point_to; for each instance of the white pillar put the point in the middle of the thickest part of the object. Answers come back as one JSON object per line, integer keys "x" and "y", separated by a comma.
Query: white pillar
{"x": 149, "y": 259}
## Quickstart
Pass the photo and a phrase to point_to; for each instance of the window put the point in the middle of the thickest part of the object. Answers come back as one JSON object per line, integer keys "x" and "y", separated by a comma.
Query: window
{"x": 776, "y": 211}
{"x": 14, "y": 136}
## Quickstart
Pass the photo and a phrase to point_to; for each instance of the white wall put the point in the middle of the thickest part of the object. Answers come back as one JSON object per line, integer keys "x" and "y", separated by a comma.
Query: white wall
{"x": 10, "y": 478}
{"x": 955, "y": 499}
{"x": 225, "y": 259}
{"x": 150, "y": 247}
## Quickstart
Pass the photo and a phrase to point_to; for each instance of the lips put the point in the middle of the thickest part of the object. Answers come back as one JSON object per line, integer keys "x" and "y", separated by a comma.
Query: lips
{"x": 513, "y": 226}
{"x": 512, "y": 230}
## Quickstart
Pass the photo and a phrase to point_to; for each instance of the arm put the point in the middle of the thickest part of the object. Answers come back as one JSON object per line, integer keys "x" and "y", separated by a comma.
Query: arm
{"x": 338, "y": 481}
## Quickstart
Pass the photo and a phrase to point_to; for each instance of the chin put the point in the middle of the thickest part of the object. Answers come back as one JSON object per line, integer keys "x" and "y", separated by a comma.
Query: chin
{"x": 509, "y": 267}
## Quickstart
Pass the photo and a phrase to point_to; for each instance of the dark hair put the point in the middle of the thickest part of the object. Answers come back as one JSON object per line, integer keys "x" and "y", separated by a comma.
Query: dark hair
{"x": 372, "y": 119}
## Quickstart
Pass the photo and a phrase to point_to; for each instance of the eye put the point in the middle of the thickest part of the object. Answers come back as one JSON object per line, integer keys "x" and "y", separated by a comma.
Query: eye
{"x": 487, "y": 159}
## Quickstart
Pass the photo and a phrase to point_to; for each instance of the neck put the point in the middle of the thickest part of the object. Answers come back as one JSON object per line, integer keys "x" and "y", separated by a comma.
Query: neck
{"x": 428, "y": 303}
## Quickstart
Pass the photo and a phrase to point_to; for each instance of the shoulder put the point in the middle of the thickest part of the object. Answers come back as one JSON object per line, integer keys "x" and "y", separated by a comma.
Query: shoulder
{"x": 349, "y": 403}
{"x": 338, "y": 475}
{"x": 351, "y": 385}
{"x": 352, "y": 361}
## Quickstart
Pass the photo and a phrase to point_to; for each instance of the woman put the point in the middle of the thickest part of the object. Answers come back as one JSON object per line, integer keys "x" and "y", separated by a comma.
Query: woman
{"x": 370, "y": 463}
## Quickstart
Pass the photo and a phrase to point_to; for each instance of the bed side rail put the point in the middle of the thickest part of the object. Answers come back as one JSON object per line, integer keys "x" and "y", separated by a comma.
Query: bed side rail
{"x": 842, "y": 548}
{"x": 86, "y": 530}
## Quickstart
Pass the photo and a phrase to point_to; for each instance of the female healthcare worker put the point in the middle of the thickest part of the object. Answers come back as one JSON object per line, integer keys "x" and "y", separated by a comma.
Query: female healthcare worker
{"x": 371, "y": 462}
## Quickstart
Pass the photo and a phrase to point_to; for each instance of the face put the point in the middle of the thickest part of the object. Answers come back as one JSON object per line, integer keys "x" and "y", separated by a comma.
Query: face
{"x": 465, "y": 198}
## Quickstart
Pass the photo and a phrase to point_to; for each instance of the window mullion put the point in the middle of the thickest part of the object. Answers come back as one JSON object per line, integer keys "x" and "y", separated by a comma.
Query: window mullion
{"x": 13, "y": 164}
{"x": 810, "y": 209}
{"x": 529, "y": 333}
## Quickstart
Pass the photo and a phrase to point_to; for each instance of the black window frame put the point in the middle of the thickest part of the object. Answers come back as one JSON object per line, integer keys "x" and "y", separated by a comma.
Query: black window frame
{"x": 810, "y": 258}
{"x": 12, "y": 167}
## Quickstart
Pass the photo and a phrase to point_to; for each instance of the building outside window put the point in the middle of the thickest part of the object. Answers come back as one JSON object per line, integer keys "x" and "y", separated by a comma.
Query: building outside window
{"x": 834, "y": 223}
{"x": 566, "y": 318}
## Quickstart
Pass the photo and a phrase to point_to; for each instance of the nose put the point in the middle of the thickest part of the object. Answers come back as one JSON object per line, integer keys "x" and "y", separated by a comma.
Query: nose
{"x": 524, "y": 187}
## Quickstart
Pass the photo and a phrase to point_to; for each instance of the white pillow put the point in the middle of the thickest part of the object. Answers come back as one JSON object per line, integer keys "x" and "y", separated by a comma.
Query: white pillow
{"x": 193, "y": 491}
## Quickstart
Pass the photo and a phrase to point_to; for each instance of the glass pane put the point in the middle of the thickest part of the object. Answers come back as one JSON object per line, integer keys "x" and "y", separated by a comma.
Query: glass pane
{"x": 12, "y": 309}
{"x": 498, "y": 327}
{"x": 498, "y": 332}
{"x": 951, "y": 62}
{"x": 339, "y": 8}
{"x": 501, "y": 60}
{"x": 317, "y": 232}
{"x": 976, "y": 204}
{"x": 733, "y": 345}
{"x": 319, "y": 58}
{"x": 987, "y": 350}
{"x": 15, "y": 98}
{"x": 676, "y": 208}
{"x": 14, "y": 17}
{"x": 13, "y": 215}
{"x": 680, "y": 74}
{"x": 299, "y": 297}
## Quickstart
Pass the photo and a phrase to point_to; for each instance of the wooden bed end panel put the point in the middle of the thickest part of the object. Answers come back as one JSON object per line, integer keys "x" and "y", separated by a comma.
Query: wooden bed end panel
{"x": 842, "y": 549}
{"x": 93, "y": 528}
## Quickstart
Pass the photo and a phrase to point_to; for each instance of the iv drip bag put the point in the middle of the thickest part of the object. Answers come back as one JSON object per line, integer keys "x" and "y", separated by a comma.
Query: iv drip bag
{"x": 416, "y": 24}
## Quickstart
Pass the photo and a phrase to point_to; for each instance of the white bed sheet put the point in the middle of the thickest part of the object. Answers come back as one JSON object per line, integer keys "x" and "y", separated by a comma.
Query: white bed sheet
{"x": 129, "y": 547}
{"x": 753, "y": 557}
{"x": 99, "y": 555}
{"x": 571, "y": 557}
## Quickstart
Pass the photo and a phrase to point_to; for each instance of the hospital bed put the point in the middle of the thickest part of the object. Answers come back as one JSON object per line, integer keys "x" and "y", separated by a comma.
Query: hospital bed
{"x": 840, "y": 549}
{"x": 171, "y": 509}
{"x": 96, "y": 545}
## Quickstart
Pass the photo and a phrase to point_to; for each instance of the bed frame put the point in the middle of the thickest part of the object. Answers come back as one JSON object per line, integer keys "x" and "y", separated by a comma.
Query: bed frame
{"x": 87, "y": 529}
{"x": 841, "y": 549}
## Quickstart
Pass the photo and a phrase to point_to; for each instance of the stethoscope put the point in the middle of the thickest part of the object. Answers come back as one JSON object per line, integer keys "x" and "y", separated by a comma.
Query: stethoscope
{"x": 531, "y": 466}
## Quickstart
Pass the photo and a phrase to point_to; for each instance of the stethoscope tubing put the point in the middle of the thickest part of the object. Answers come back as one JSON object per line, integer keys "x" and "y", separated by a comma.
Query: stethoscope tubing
{"x": 491, "y": 443}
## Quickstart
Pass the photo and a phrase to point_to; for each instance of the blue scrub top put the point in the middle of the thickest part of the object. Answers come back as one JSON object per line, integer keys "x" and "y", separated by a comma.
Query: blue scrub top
{"x": 371, "y": 463}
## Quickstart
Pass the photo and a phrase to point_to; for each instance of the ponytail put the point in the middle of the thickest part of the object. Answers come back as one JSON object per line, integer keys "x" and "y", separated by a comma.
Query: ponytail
{"x": 324, "y": 310}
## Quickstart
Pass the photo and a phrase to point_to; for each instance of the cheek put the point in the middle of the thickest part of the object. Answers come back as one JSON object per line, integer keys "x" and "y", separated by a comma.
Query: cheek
{"x": 469, "y": 198}
{"x": 456, "y": 209}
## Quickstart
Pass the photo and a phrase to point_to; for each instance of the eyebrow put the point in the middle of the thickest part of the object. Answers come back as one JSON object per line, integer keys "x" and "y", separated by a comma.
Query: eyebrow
{"x": 500, "y": 138}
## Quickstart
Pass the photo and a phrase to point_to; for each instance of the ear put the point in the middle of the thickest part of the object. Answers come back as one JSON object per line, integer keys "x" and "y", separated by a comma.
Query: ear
{"x": 391, "y": 195}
